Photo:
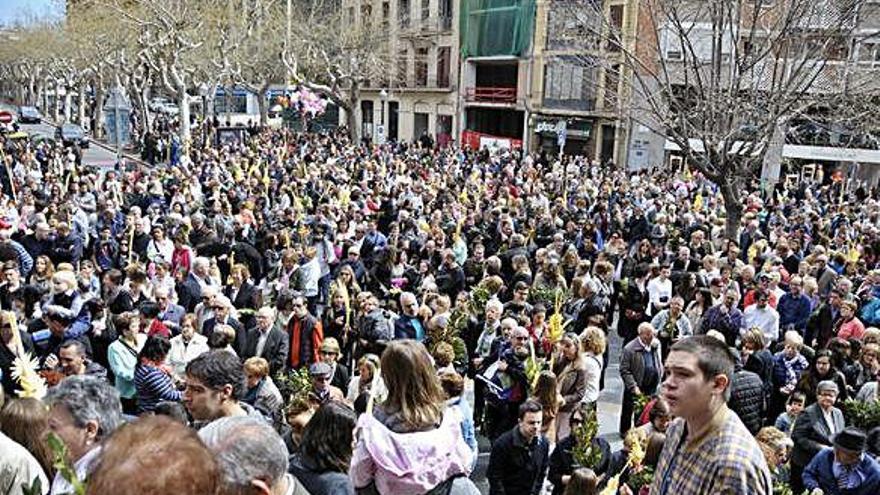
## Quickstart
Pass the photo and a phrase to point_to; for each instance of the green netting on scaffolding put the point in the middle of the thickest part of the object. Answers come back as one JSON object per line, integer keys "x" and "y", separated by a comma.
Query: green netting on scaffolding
{"x": 496, "y": 27}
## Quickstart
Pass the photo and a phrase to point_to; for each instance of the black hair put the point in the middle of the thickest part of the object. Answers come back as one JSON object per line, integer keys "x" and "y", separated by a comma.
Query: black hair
{"x": 155, "y": 348}
{"x": 530, "y": 406}
{"x": 216, "y": 369}
{"x": 218, "y": 340}
{"x": 79, "y": 346}
{"x": 149, "y": 309}
{"x": 326, "y": 441}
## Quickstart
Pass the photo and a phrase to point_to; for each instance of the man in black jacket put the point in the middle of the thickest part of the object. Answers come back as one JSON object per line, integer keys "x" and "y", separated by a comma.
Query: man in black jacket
{"x": 519, "y": 458}
{"x": 267, "y": 341}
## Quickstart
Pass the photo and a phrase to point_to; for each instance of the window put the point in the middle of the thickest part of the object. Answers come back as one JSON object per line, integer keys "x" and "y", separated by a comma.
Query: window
{"x": 422, "y": 67}
{"x": 446, "y": 14}
{"x": 426, "y": 9}
{"x": 237, "y": 102}
{"x": 570, "y": 83}
{"x": 443, "y": 63}
{"x": 366, "y": 118}
{"x": 403, "y": 8}
{"x": 403, "y": 68}
{"x": 366, "y": 14}
{"x": 615, "y": 18}
{"x": 565, "y": 30}
{"x": 386, "y": 13}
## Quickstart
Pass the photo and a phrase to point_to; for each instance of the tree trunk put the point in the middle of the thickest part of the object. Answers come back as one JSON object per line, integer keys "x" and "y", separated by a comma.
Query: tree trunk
{"x": 32, "y": 81}
{"x": 81, "y": 108}
{"x": 98, "y": 131}
{"x": 351, "y": 107}
{"x": 68, "y": 103}
{"x": 56, "y": 111}
{"x": 733, "y": 208}
{"x": 183, "y": 116}
{"x": 263, "y": 105}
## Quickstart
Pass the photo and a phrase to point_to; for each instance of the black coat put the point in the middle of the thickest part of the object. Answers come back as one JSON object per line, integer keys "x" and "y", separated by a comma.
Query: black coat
{"x": 562, "y": 461}
{"x": 811, "y": 434}
{"x": 747, "y": 399}
{"x": 189, "y": 293}
{"x": 516, "y": 468}
{"x": 761, "y": 362}
{"x": 237, "y": 343}
{"x": 275, "y": 350}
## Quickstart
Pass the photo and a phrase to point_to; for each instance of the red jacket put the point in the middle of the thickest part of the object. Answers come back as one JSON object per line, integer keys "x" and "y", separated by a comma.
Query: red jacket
{"x": 306, "y": 336}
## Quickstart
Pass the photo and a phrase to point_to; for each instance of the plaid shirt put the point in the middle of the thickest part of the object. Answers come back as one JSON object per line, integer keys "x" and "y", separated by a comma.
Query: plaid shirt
{"x": 724, "y": 459}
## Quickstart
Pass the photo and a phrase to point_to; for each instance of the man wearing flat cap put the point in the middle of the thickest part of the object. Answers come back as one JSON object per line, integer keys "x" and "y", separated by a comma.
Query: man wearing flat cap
{"x": 844, "y": 469}
{"x": 321, "y": 389}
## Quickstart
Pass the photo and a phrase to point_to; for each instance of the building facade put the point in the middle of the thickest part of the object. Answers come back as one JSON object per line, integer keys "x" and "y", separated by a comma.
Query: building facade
{"x": 419, "y": 96}
{"x": 580, "y": 83}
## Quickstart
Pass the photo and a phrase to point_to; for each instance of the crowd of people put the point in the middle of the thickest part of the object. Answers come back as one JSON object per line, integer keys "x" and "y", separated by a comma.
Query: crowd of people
{"x": 297, "y": 313}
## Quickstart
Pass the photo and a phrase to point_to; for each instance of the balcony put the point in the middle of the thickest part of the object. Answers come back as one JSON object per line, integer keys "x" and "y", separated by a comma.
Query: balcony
{"x": 491, "y": 94}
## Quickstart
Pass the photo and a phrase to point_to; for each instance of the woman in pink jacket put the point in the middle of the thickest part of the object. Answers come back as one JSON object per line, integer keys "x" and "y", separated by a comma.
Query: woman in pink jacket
{"x": 410, "y": 443}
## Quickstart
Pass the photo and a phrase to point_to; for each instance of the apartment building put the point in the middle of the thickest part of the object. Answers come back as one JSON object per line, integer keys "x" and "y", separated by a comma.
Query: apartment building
{"x": 419, "y": 95}
{"x": 579, "y": 81}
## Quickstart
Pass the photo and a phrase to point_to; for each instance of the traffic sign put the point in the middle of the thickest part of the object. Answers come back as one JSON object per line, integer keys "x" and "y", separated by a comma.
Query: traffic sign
{"x": 5, "y": 117}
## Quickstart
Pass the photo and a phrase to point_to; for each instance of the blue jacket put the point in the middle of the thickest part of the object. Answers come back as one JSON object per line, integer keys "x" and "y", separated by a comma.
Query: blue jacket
{"x": 818, "y": 474}
{"x": 794, "y": 311}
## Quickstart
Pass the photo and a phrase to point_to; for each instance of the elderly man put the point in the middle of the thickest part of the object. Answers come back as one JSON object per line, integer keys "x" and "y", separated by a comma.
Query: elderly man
{"x": 845, "y": 468}
{"x": 641, "y": 368}
{"x": 267, "y": 341}
{"x": 814, "y": 428}
{"x": 252, "y": 457}
{"x": 170, "y": 314}
{"x": 190, "y": 291}
{"x": 83, "y": 412}
{"x": 409, "y": 325}
{"x": 222, "y": 308}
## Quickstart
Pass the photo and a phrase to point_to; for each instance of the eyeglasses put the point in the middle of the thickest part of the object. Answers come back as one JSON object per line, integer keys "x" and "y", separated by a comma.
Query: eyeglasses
{"x": 329, "y": 353}
{"x": 520, "y": 338}
{"x": 5, "y": 326}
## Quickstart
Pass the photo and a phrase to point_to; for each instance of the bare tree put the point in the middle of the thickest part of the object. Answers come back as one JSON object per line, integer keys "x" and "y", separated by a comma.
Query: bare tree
{"x": 337, "y": 55}
{"x": 722, "y": 79}
{"x": 171, "y": 36}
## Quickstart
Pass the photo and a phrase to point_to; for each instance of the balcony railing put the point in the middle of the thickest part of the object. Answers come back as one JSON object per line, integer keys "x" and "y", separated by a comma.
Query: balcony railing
{"x": 491, "y": 95}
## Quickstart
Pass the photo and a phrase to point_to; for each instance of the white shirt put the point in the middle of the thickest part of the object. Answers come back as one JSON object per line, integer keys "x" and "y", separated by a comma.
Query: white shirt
{"x": 83, "y": 467}
{"x": 659, "y": 290}
{"x": 19, "y": 467}
{"x": 767, "y": 319}
{"x": 180, "y": 353}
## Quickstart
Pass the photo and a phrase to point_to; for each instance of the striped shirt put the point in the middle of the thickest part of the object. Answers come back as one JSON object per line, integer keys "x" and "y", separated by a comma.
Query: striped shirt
{"x": 153, "y": 386}
{"x": 724, "y": 458}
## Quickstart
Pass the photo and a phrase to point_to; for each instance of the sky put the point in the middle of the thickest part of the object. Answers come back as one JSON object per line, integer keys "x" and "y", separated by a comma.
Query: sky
{"x": 14, "y": 10}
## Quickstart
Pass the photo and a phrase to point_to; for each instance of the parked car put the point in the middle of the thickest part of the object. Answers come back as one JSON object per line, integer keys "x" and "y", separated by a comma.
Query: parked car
{"x": 29, "y": 115}
{"x": 72, "y": 135}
